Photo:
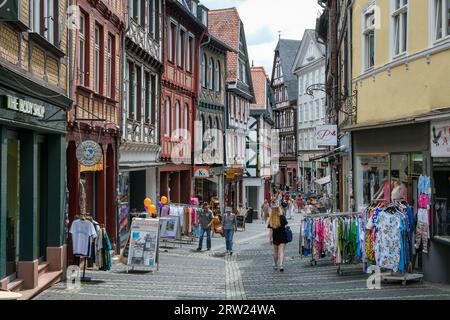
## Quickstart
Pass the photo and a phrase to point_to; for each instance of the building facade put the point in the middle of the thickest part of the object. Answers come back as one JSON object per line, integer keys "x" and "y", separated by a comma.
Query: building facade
{"x": 95, "y": 114}
{"x": 309, "y": 67}
{"x": 185, "y": 26}
{"x": 34, "y": 101}
{"x": 209, "y": 125}
{"x": 226, "y": 25}
{"x": 258, "y": 176}
{"x": 399, "y": 125}
{"x": 142, "y": 69}
{"x": 285, "y": 90}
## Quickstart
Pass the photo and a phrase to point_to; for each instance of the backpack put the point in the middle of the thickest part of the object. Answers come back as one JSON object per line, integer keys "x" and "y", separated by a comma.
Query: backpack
{"x": 288, "y": 234}
{"x": 284, "y": 204}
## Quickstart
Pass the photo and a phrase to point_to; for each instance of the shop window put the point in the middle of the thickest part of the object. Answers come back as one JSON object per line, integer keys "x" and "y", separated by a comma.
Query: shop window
{"x": 399, "y": 178}
{"x": 441, "y": 177}
{"x": 12, "y": 205}
{"x": 372, "y": 179}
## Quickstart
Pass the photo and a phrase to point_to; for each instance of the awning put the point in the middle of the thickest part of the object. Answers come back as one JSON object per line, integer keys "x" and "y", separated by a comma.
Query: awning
{"x": 328, "y": 154}
{"x": 323, "y": 180}
{"x": 140, "y": 165}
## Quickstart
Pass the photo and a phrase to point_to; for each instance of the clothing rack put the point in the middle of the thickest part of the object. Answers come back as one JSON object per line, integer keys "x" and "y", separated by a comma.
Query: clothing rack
{"x": 406, "y": 274}
{"x": 79, "y": 256}
{"x": 314, "y": 259}
{"x": 190, "y": 237}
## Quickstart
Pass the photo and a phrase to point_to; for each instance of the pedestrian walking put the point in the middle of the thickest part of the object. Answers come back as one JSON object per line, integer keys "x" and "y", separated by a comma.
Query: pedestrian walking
{"x": 284, "y": 205}
{"x": 229, "y": 225}
{"x": 277, "y": 237}
{"x": 265, "y": 211}
{"x": 206, "y": 221}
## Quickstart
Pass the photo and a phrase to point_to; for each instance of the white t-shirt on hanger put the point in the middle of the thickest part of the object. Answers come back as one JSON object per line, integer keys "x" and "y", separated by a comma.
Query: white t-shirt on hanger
{"x": 81, "y": 231}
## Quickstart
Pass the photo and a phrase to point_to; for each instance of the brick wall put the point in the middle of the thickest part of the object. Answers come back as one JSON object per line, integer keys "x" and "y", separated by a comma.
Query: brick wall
{"x": 9, "y": 44}
{"x": 16, "y": 49}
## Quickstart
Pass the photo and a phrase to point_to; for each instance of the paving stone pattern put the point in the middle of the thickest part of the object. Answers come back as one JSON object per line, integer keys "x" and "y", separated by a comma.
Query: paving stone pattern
{"x": 246, "y": 275}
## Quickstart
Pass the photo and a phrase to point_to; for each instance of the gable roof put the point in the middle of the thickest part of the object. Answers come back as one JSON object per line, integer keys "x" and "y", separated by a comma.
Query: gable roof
{"x": 308, "y": 36}
{"x": 226, "y": 25}
{"x": 259, "y": 79}
{"x": 287, "y": 50}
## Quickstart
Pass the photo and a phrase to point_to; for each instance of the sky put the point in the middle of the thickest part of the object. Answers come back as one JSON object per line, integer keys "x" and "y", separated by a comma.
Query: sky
{"x": 263, "y": 19}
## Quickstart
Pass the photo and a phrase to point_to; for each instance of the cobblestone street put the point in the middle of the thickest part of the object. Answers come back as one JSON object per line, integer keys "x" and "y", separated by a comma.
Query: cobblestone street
{"x": 248, "y": 274}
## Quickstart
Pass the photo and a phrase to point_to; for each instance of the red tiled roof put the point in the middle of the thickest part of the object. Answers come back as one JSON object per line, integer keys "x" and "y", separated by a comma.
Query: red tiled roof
{"x": 259, "y": 78}
{"x": 225, "y": 24}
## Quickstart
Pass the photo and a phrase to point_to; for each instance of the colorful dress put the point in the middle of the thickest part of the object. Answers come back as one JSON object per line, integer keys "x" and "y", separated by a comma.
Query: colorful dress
{"x": 387, "y": 244}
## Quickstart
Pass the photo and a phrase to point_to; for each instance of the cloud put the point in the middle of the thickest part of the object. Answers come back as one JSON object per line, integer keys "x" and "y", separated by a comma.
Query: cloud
{"x": 262, "y": 35}
{"x": 264, "y": 19}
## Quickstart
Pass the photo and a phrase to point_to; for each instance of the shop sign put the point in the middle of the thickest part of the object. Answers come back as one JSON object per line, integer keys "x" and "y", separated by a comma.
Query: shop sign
{"x": 89, "y": 153}
{"x": 440, "y": 139}
{"x": 23, "y": 106}
{"x": 9, "y": 10}
{"x": 326, "y": 135}
{"x": 231, "y": 174}
{"x": 201, "y": 172}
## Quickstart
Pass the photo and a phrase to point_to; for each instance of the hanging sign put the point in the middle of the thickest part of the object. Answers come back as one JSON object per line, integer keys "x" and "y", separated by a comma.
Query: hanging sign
{"x": 143, "y": 247}
{"x": 88, "y": 153}
{"x": 201, "y": 172}
{"x": 9, "y": 10}
{"x": 440, "y": 139}
{"x": 326, "y": 135}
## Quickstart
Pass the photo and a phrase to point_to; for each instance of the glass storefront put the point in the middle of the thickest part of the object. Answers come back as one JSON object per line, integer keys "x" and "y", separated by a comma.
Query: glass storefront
{"x": 387, "y": 177}
{"x": 441, "y": 177}
{"x": 13, "y": 205}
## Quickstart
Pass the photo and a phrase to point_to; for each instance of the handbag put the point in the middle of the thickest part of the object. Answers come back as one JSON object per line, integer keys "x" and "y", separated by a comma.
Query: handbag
{"x": 288, "y": 234}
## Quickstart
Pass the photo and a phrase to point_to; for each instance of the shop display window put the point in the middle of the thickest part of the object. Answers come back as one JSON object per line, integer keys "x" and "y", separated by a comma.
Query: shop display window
{"x": 387, "y": 177}
{"x": 372, "y": 179}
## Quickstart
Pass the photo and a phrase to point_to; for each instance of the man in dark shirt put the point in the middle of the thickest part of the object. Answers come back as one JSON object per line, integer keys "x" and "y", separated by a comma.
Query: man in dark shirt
{"x": 206, "y": 220}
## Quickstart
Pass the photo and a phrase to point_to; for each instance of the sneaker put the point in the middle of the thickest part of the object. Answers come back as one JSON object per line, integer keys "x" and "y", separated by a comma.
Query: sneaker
{"x": 281, "y": 269}
{"x": 208, "y": 249}
{"x": 275, "y": 267}
{"x": 199, "y": 249}
{"x": 231, "y": 253}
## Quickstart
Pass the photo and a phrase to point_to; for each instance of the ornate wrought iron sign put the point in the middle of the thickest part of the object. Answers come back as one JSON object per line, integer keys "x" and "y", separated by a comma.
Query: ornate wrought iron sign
{"x": 89, "y": 153}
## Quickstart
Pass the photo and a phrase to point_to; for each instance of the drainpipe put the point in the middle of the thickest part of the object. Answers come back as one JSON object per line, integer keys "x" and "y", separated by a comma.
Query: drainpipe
{"x": 351, "y": 203}
{"x": 121, "y": 126}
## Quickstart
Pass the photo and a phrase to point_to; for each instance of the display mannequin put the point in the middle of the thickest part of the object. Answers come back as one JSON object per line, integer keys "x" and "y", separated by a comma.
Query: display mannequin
{"x": 384, "y": 192}
{"x": 396, "y": 190}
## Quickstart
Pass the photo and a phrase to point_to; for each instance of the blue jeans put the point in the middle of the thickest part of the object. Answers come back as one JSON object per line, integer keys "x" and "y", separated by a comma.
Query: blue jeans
{"x": 229, "y": 239}
{"x": 208, "y": 239}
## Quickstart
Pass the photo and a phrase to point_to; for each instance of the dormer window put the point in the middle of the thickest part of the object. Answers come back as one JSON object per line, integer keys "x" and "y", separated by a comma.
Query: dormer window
{"x": 194, "y": 8}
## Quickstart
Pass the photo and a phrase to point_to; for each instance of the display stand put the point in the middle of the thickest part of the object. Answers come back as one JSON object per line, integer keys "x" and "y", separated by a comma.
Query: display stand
{"x": 89, "y": 254}
{"x": 143, "y": 251}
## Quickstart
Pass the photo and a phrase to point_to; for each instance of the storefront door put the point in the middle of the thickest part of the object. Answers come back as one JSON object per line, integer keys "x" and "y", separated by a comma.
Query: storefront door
{"x": 12, "y": 203}
{"x": 41, "y": 177}
{"x": 441, "y": 176}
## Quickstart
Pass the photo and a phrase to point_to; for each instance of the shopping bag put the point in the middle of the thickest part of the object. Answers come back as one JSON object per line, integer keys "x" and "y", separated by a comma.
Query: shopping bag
{"x": 198, "y": 231}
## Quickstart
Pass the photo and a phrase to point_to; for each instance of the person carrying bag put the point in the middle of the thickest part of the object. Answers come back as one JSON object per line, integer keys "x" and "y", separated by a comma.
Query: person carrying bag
{"x": 229, "y": 225}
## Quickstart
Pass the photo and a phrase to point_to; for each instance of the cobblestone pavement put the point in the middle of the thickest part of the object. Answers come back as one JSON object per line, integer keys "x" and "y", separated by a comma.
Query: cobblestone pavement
{"x": 247, "y": 274}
